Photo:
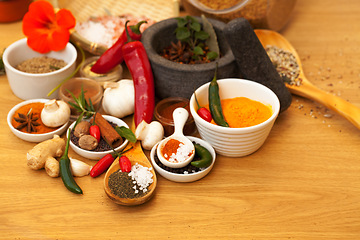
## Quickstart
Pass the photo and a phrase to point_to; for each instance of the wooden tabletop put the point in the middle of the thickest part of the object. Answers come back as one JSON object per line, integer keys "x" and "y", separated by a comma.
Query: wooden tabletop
{"x": 304, "y": 183}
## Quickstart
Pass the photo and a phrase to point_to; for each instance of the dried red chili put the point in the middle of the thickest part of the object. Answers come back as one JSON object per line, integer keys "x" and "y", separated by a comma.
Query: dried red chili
{"x": 125, "y": 164}
{"x": 139, "y": 66}
{"x": 95, "y": 132}
{"x": 114, "y": 56}
{"x": 203, "y": 112}
{"x": 102, "y": 165}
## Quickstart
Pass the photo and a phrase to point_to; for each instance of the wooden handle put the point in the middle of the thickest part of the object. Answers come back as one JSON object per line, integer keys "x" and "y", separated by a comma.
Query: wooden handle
{"x": 337, "y": 104}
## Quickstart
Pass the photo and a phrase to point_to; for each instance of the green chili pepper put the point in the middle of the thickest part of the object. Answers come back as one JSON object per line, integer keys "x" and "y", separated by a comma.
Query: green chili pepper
{"x": 204, "y": 155}
{"x": 65, "y": 170}
{"x": 215, "y": 102}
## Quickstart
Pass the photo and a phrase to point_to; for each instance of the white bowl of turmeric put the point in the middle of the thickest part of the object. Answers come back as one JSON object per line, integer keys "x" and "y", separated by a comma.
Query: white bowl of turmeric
{"x": 248, "y": 107}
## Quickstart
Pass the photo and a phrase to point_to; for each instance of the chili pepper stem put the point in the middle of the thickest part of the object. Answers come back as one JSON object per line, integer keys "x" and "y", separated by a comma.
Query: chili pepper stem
{"x": 136, "y": 28}
{"x": 197, "y": 101}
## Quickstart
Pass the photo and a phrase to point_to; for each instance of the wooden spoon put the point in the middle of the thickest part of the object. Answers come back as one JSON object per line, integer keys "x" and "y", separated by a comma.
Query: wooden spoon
{"x": 135, "y": 155}
{"x": 307, "y": 89}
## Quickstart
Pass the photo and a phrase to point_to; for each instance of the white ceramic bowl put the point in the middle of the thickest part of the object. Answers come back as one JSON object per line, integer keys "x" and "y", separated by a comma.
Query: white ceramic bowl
{"x": 235, "y": 142}
{"x": 98, "y": 155}
{"x": 190, "y": 177}
{"x": 36, "y": 85}
{"x": 32, "y": 137}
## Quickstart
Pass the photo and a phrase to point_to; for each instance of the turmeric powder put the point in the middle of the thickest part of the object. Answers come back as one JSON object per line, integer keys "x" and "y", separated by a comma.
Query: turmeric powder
{"x": 243, "y": 112}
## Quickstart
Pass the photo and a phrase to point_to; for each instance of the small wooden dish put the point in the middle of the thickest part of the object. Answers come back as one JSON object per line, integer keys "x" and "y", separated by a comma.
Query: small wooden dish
{"x": 135, "y": 155}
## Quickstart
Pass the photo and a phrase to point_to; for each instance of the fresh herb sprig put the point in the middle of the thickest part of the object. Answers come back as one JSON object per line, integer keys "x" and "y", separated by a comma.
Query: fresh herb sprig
{"x": 189, "y": 31}
{"x": 86, "y": 108}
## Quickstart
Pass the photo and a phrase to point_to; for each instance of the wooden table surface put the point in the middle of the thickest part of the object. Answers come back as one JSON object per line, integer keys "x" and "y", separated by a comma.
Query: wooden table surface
{"x": 304, "y": 183}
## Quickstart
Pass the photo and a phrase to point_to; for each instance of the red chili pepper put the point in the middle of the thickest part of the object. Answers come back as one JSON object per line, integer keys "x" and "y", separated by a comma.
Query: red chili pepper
{"x": 203, "y": 112}
{"x": 95, "y": 132}
{"x": 139, "y": 66}
{"x": 125, "y": 164}
{"x": 102, "y": 165}
{"x": 114, "y": 56}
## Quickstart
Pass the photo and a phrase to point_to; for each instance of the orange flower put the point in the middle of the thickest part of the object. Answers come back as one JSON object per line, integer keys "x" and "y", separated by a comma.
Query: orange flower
{"x": 45, "y": 30}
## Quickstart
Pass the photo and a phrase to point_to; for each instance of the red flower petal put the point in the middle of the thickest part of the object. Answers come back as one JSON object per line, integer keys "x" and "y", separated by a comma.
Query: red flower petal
{"x": 65, "y": 19}
{"x": 59, "y": 39}
{"x": 46, "y": 30}
{"x": 39, "y": 43}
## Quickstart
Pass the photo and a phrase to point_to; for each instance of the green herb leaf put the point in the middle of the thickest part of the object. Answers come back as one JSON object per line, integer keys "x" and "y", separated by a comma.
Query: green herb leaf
{"x": 182, "y": 33}
{"x": 195, "y": 26}
{"x": 201, "y": 35}
{"x": 126, "y": 133}
{"x": 181, "y": 22}
{"x": 198, "y": 50}
{"x": 54, "y": 67}
{"x": 81, "y": 105}
{"x": 212, "y": 55}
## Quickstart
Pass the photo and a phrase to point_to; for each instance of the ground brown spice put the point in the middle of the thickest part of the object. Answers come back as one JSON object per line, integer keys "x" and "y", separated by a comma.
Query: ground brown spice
{"x": 42, "y": 64}
{"x": 218, "y": 5}
{"x": 122, "y": 185}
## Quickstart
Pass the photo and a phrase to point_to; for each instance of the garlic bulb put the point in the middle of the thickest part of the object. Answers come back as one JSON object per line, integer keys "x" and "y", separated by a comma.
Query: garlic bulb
{"x": 79, "y": 168}
{"x": 119, "y": 98}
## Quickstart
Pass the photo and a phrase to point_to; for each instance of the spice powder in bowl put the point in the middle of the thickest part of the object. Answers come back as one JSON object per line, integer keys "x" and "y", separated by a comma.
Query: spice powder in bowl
{"x": 164, "y": 110}
{"x": 43, "y": 64}
{"x": 243, "y": 112}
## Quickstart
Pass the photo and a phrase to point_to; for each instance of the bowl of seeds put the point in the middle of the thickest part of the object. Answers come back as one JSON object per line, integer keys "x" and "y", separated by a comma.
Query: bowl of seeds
{"x": 33, "y": 75}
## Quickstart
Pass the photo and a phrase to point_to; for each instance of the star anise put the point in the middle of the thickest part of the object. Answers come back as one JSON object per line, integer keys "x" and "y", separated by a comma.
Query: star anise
{"x": 27, "y": 121}
{"x": 178, "y": 52}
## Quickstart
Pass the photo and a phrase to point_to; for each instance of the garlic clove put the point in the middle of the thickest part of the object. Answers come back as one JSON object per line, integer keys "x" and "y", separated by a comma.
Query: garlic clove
{"x": 79, "y": 168}
{"x": 141, "y": 130}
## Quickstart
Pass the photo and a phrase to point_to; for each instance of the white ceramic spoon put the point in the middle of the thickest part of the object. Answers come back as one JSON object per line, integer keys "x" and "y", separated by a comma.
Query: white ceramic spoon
{"x": 307, "y": 89}
{"x": 180, "y": 115}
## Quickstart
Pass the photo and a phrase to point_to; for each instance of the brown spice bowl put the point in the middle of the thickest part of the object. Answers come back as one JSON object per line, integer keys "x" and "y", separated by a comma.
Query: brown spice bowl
{"x": 92, "y": 90}
{"x": 261, "y": 14}
{"x": 163, "y": 113}
{"x": 36, "y": 85}
{"x": 180, "y": 80}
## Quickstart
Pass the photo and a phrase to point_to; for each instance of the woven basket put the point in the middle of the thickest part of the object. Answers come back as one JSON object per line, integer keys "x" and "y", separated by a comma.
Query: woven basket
{"x": 83, "y": 9}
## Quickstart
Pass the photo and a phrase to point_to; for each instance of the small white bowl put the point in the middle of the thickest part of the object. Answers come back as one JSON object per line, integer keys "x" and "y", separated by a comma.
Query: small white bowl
{"x": 36, "y": 85}
{"x": 189, "y": 177}
{"x": 32, "y": 137}
{"x": 98, "y": 155}
{"x": 235, "y": 142}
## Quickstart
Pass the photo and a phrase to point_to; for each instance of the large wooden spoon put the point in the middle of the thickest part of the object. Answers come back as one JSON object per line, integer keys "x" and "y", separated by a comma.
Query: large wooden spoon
{"x": 307, "y": 89}
{"x": 135, "y": 155}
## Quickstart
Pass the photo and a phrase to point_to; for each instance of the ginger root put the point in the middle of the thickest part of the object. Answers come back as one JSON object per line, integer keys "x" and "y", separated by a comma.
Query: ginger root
{"x": 43, "y": 155}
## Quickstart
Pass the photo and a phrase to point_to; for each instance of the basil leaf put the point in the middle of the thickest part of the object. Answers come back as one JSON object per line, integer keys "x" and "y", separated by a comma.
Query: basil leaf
{"x": 126, "y": 133}
{"x": 198, "y": 50}
{"x": 182, "y": 33}
{"x": 212, "y": 55}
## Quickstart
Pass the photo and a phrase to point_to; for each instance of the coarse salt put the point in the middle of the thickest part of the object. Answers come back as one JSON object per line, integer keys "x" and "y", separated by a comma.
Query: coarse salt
{"x": 105, "y": 30}
{"x": 182, "y": 153}
{"x": 141, "y": 176}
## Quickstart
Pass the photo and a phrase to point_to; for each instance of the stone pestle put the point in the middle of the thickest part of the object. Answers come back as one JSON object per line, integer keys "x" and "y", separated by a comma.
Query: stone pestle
{"x": 253, "y": 61}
